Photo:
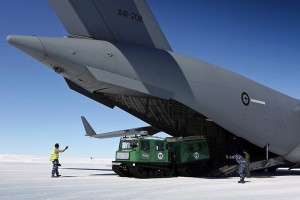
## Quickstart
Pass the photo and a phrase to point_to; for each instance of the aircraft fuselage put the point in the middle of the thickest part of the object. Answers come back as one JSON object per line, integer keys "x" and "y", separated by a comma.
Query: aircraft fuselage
{"x": 242, "y": 106}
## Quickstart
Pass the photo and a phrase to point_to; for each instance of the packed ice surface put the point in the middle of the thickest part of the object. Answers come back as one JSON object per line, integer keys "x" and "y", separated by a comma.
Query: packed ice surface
{"x": 26, "y": 177}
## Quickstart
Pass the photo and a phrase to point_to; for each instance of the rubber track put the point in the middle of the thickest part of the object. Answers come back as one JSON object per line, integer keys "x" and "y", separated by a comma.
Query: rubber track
{"x": 138, "y": 173}
{"x": 121, "y": 172}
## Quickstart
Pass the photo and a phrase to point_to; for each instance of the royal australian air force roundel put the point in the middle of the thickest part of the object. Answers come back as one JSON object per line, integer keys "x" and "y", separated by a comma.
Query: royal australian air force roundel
{"x": 245, "y": 98}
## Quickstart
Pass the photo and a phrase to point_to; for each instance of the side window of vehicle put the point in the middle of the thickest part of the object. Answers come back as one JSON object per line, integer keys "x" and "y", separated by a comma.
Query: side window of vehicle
{"x": 133, "y": 144}
{"x": 159, "y": 146}
{"x": 189, "y": 147}
{"x": 145, "y": 145}
{"x": 200, "y": 146}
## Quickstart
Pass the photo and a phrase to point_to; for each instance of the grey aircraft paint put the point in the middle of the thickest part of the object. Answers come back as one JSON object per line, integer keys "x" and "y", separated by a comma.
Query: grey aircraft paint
{"x": 106, "y": 61}
{"x": 146, "y": 130}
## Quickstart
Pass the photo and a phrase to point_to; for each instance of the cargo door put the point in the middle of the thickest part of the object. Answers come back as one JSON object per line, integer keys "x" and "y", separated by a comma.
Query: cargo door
{"x": 202, "y": 151}
{"x": 145, "y": 153}
{"x": 191, "y": 155}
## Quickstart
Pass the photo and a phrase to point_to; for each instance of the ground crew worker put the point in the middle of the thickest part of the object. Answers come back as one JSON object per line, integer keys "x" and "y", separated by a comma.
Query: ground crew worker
{"x": 55, "y": 160}
{"x": 242, "y": 166}
{"x": 247, "y": 158}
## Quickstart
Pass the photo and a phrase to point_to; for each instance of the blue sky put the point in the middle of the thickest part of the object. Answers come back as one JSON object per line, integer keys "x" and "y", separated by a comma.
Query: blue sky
{"x": 257, "y": 39}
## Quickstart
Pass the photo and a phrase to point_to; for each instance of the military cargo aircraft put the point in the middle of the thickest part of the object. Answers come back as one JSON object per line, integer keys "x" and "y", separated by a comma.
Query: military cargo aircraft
{"x": 117, "y": 55}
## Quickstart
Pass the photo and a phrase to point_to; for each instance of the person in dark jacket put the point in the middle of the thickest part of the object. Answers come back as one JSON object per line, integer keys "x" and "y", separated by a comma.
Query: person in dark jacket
{"x": 242, "y": 166}
{"x": 247, "y": 158}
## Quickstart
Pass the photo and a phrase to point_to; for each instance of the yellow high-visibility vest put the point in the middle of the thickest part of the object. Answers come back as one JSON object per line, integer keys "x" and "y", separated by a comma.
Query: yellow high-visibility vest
{"x": 54, "y": 155}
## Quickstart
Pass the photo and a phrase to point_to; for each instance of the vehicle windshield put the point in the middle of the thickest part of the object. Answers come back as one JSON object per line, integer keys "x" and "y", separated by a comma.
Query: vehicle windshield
{"x": 129, "y": 143}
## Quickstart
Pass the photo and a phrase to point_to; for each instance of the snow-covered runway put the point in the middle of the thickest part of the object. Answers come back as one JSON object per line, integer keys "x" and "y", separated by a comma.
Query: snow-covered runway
{"x": 31, "y": 179}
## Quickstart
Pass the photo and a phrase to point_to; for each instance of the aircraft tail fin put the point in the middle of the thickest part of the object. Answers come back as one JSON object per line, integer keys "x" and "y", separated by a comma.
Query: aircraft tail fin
{"x": 128, "y": 21}
{"x": 135, "y": 131}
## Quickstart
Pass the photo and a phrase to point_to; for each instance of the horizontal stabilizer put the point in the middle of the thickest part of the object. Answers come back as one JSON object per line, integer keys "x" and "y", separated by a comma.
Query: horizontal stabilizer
{"x": 136, "y": 131}
{"x": 128, "y": 21}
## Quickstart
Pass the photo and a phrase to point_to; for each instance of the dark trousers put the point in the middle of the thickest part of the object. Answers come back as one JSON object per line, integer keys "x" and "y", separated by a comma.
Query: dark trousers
{"x": 55, "y": 167}
{"x": 242, "y": 171}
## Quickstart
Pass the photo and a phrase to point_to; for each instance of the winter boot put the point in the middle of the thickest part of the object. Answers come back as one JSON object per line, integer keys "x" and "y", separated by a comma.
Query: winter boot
{"x": 241, "y": 181}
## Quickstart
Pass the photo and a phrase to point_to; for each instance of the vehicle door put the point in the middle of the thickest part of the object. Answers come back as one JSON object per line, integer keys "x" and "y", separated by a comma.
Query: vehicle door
{"x": 145, "y": 153}
{"x": 160, "y": 154}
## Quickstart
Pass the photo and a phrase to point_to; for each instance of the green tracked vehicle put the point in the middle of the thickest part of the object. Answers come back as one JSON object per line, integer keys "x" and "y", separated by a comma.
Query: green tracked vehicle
{"x": 142, "y": 157}
{"x": 154, "y": 157}
{"x": 190, "y": 155}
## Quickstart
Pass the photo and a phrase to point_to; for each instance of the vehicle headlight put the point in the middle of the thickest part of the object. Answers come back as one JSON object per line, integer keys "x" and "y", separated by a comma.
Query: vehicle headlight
{"x": 122, "y": 155}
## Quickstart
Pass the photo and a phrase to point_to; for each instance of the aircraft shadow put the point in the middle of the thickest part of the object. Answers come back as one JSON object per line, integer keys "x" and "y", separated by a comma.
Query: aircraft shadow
{"x": 279, "y": 172}
{"x": 265, "y": 174}
{"x": 88, "y": 169}
{"x": 112, "y": 174}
